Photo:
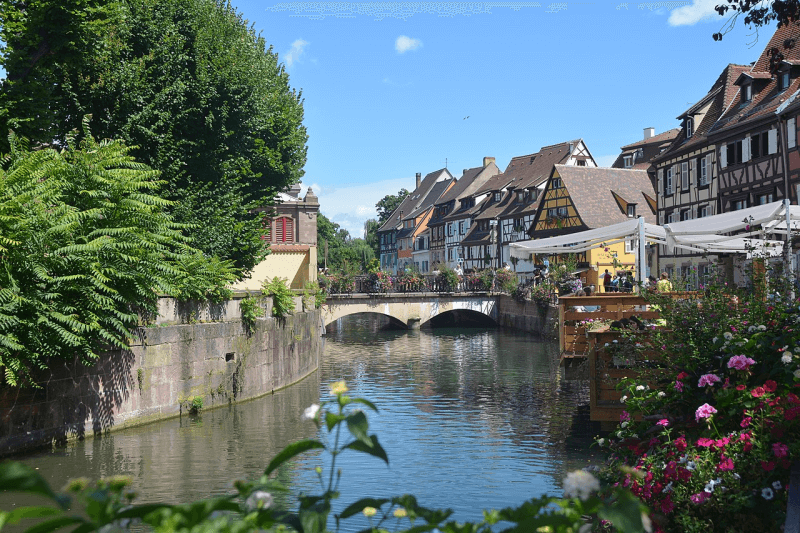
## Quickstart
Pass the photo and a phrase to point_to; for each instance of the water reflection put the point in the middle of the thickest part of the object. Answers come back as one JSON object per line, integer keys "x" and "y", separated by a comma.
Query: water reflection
{"x": 471, "y": 419}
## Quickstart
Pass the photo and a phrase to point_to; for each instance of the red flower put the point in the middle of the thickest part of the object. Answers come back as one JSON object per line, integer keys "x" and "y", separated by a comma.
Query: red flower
{"x": 682, "y": 375}
{"x": 770, "y": 386}
{"x": 746, "y": 421}
{"x": 780, "y": 450}
{"x": 680, "y": 443}
{"x": 758, "y": 392}
{"x": 725, "y": 464}
{"x": 741, "y": 387}
{"x": 768, "y": 466}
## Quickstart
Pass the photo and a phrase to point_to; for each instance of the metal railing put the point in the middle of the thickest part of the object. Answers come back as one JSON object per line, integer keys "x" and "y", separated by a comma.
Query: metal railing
{"x": 426, "y": 284}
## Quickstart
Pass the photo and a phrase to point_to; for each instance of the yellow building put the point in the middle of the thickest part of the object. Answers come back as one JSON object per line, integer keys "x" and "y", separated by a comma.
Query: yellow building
{"x": 291, "y": 229}
{"x": 582, "y": 198}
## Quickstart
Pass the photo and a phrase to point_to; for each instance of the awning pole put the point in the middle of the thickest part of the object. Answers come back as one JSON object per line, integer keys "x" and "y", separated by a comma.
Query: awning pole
{"x": 787, "y": 250}
{"x": 641, "y": 258}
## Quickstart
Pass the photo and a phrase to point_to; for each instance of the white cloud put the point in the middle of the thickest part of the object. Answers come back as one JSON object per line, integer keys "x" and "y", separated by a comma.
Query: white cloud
{"x": 404, "y": 44}
{"x": 693, "y": 13}
{"x": 298, "y": 47}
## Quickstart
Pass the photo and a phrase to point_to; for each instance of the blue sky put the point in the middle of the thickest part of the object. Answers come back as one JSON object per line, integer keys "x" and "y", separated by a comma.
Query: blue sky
{"x": 387, "y": 86}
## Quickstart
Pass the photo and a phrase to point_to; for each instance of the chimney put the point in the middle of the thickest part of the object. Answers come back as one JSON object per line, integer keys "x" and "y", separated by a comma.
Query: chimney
{"x": 419, "y": 179}
{"x": 487, "y": 160}
{"x": 649, "y": 132}
{"x": 465, "y": 171}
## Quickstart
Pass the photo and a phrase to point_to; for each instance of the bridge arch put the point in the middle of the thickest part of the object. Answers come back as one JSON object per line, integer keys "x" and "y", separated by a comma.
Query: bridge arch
{"x": 411, "y": 310}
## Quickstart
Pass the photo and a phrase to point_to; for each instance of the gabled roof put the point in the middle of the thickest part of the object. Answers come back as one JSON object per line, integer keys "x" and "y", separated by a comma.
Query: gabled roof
{"x": 530, "y": 170}
{"x": 439, "y": 188}
{"x": 722, "y": 94}
{"x": 770, "y": 96}
{"x": 655, "y": 139}
{"x": 471, "y": 181}
{"x": 596, "y": 193}
{"x": 415, "y": 199}
{"x": 650, "y": 149}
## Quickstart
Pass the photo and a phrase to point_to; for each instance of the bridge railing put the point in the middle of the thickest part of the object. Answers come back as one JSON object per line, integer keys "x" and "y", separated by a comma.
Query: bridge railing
{"x": 427, "y": 284}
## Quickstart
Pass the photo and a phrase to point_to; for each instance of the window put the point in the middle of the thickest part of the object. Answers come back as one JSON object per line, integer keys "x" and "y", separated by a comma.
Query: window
{"x": 747, "y": 93}
{"x": 759, "y": 145}
{"x": 762, "y": 199}
{"x": 668, "y": 182}
{"x": 686, "y": 215}
{"x": 738, "y": 204}
{"x": 689, "y": 127}
{"x": 627, "y": 161}
{"x": 734, "y": 153}
{"x": 534, "y": 194}
{"x": 685, "y": 176}
{"x": 671, "y": 218}
{"x": 581, "y": 162}
{"x": 562, "y": 211}
{"x": 705, "y": 211}
{"x": 284, "y": 230}
{"x": 450, "y": 230}
{"x": 631, "y": 210}
{"x": 556, "y": 183}
{"x": 461, "y": 227}
{"x": 785, "y": 79}
{"x": 629, "y": 247}
{"x": 703, "y": 171}
{"x": 497, "y": 196}
{"x": 791, "y": 131}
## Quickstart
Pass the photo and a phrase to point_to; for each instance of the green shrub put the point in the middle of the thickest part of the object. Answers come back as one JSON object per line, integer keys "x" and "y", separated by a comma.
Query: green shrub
{"x": 250, "y": 309}
{"x": 196, "y": 405}
{"x": 282, "y": 297}
{"x": 506, "y": 281}
{"x": 448, "y": 279}
{"x": 313, "y": 294}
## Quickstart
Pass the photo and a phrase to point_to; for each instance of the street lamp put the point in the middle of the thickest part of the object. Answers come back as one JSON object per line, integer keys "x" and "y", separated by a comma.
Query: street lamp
{"x": 494, "y": 237}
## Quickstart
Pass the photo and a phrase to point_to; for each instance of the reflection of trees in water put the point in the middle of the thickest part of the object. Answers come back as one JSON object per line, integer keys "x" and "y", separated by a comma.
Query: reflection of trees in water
{"x": 510, "y": 382}
{"x": 189, "y": 458}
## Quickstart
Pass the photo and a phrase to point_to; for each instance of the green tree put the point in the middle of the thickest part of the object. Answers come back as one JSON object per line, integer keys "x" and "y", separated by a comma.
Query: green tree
{"x": 371, "y": 236}
{"x": 85, "y": 245}
{"x": 388, "y": 204}
{"x": 758, "y": 13}
{"x": 186, "y": 82}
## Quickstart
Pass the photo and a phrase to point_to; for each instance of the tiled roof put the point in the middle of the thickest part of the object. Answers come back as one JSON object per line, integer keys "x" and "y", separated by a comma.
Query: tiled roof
{"x": 439, "y": 188}
{"x": 650, "y": 148}
{"x": 414, "y": 200}
{"x": 530, "y": 170}
{"x": 723, "y": 92}
{"x": 769, "y": 96}
{"x": 660, "y": 138}
{"x": 592, "y": 192}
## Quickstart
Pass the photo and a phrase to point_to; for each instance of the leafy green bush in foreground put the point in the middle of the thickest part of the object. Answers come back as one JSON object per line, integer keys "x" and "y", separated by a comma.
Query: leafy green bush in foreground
{"x": 107, "y": 504}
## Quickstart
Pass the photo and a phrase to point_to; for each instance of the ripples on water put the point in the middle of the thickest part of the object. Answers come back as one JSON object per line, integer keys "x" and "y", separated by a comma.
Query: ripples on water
{"x": 470, "y": 419}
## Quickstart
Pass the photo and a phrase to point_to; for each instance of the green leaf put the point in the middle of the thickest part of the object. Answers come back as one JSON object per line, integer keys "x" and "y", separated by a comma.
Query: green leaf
{"x": 55, "y": 524}
{"x": 292, "y": 450}
{"x": 625, "y": 514}
{"x": 13, "y": 517}
{"x": 358, "y": 506}
{"x": 331, "y": 419}
{"x": 374, "y": 449}
{"x": 365, "y": 402}
{"x": 358, "y": 425}
{"x": 140, "y": 511}
{"x": 19, "y": 477}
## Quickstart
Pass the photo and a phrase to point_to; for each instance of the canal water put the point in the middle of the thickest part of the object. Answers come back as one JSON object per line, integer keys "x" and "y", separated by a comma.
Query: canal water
{"x": 471, "y": 419}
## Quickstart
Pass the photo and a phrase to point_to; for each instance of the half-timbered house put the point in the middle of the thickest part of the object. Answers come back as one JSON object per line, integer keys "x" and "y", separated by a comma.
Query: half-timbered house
{"x": 416, "y": 222}
{"x": 582, "y": 198}
{"x": 686, "y": 173}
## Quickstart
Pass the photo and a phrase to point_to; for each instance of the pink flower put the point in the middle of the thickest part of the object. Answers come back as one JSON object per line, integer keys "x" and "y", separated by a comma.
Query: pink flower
{"x": 700, "y": 497}
{"x": 704, "y": 411}
{"x": 780, "y": 450}
{"x": 721, "y": 443}
{"x": 758, "y": 392}
{"x": 704, "y": 442}
{"x": 740, "y": 362}
{"x": 679, "y": 386}
{"x": 624, "y": 416}
{"x": 770, "y": 386}
{"x": 707, "y": 380}
{"x": 746, "y": 421}
{"x": 725, "y": 464}
{"x": 663, "y": 422}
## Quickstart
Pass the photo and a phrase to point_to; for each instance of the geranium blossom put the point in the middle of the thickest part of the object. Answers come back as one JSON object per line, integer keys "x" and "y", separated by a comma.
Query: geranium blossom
{"x": 770, "y": 386}
{"x": 704, "y": 411}
{"x": 663, "y": 422}
{"x": 707, "y": 380}
{"x": 740, "y": 362}
{"x": 725, "y": 464}
{"x": 780, "y": 450}
{"x": 700, "y": 497}
{"x": 758, "y": 392}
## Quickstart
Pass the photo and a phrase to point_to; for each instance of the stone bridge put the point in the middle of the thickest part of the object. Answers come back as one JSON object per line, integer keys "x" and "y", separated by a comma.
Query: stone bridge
{"x": 412, "y": 310}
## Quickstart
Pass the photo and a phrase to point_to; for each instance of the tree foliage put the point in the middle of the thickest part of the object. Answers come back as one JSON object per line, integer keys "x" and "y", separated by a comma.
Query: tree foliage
{"x": 344, "y": 252}
{"x": 757, "y": 13}
{"x": 186, "y": 82}
{"x": 388, "y": 204}
{"x": 85, "y": 245}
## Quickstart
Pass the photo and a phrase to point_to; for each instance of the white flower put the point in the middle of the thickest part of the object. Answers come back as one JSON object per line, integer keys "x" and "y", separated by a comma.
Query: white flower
{"x": 709, "y": 488}
{"x": 762, "y": 328}
{"x": 668, "y": 488}
{"x": 640, "y": 387}
{"x": 615, "y": 341}
{"x": 683, "y": 459}
{"x": 751, "y": 329}
{"x": 258, "y": 500}
{"x": 714, "y": 340}
{"x": 786, "y": 358}
{"x": 690, "y": 466}
{"x": 728, "y": 335}
{"x": 797, "y": 373}
{"x": 647, "y": 524}
{"x": 623, "y": 399}
{"x": 777, "y": 485}
{"x": 601, "y": 442}
{"x": 311, "y": 412}
{"x": 624, "y": 425}
{"x": 635, "y": 436}
{"x": 767, "y": 493}
{"x": 619, "y": 434}
{"x": 606, "y": 345}
{"x": 661, "y": 394}
{"x": 580, "y": 484}
{"x": 736, "y": 476}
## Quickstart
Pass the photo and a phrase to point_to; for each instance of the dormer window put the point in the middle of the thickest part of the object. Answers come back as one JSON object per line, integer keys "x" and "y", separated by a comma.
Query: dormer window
{"x": 497, "y": 196}
{"x": 627, "y": 161}
{"x": 747, "y": 92}
{"x": 556, "y": 183}
{"x": 689, "y": 127}
{"x": 631, "y": 210}
{"x": 785, "y": 79}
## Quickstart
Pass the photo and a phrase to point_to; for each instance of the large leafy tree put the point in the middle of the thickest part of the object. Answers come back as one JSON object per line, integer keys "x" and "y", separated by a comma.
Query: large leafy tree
{"x": 186, "y": 82}
{"x": 388, "y": 204}
{"x": 757, "y": 13}
{"x": 85, "y": 246}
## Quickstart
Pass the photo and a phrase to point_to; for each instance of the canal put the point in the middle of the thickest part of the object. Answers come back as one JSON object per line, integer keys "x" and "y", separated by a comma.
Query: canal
{"x": 470, "y": 418}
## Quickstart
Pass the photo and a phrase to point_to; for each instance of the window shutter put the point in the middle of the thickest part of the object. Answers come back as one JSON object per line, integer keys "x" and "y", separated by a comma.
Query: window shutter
{"x": 660, "y": 179}
{"x": 693, "y": 164}
{"x": 708, "y": 169}
{"x": 746, "y": 149}
{"x": 791, "y": 129}
{"x": 723, "y": 156}
{"x": 773, "y": 141}
{"x": 684, "y": 175}
{"x": 661, "y": 218}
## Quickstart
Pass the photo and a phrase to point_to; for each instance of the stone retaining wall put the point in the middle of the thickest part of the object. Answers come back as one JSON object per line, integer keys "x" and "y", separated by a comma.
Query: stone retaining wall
{"x": 526, "y": 316}
{"x": 169, "y": 367}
